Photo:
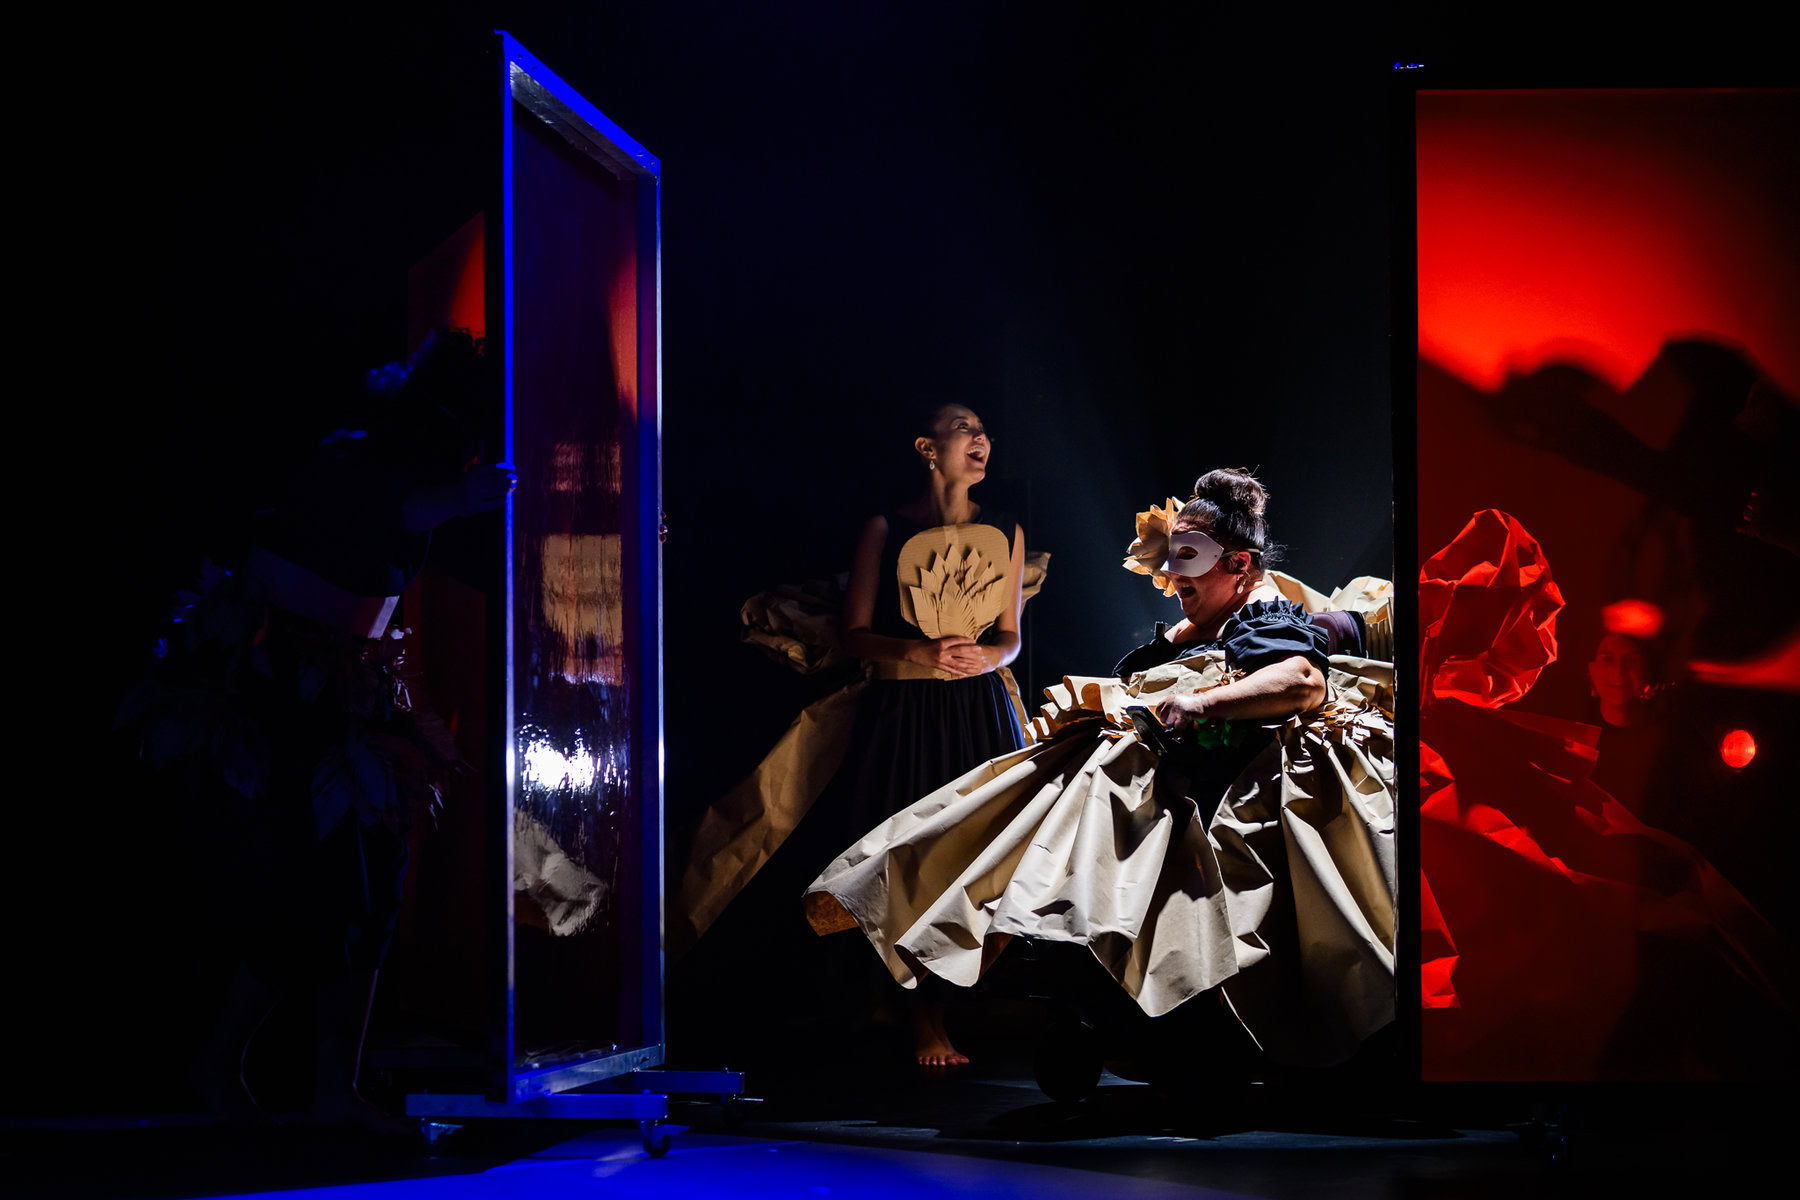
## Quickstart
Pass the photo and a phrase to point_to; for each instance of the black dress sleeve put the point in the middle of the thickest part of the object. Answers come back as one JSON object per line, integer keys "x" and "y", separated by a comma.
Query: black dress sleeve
{"x": 1153, "y": 653}
{"x": 1268, "y": 631}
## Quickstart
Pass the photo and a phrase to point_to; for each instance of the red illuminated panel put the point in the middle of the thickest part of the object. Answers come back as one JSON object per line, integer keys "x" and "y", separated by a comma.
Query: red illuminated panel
{"x": 447, "y": 286}
{"x": 622, "y": 309}
{"x": 1593, "y": 226}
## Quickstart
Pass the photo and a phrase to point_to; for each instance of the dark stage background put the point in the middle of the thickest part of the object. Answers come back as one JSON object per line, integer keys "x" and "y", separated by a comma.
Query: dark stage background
{"x": 1139, "y": 244}
{"x": 1136, "y": 249}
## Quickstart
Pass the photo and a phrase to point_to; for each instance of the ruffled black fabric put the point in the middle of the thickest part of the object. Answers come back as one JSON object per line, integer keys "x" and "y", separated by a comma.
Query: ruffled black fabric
{"x": 913, "y": 736}
{"x": 1260, "y": 633}
{"x": 1268, "y": 631}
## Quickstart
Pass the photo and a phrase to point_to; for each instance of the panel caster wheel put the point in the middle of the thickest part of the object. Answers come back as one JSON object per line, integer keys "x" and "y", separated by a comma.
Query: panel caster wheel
{"x": 437, "y": 1134}
{"x": 656, "y": 1138}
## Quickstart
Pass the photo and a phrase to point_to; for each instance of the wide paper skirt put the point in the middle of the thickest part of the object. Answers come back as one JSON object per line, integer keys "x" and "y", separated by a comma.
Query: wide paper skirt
{"x": 1280, "y": 890}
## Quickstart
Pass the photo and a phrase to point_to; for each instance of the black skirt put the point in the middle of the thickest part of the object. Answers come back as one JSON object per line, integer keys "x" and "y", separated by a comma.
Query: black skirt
{"x": 912, "y": 736}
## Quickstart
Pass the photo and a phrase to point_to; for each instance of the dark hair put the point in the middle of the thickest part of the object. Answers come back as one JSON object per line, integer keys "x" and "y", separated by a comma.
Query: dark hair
{"x": 1230, "y": 504}
{"x": 924, "y": 411}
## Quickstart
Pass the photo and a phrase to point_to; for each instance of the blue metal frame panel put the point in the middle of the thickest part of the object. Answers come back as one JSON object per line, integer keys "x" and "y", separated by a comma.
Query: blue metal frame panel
{"x": 650, "y": 598}
{"x": 546, "y": 1081}
{"x": 553, "y": 83}
{"x": 503, "y": 831}
{"x": 513, "y": 1085}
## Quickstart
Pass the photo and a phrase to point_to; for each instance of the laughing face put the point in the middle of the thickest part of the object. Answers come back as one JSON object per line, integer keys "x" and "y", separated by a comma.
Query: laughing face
{"x": 959, "y": 445}
{"x": 1206, "y": 596}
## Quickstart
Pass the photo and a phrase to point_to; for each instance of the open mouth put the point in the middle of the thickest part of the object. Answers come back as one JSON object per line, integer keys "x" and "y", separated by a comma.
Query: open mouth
{"x": 978, "y": 458}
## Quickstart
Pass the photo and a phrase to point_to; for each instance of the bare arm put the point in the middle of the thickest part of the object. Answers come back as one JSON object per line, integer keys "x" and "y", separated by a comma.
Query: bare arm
{"x": 1282, "y": 689}
{"x": 958, "y": 655}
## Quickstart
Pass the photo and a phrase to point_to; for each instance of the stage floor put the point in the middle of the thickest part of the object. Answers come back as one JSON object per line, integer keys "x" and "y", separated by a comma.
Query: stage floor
{"x": 984, "y": 1133}
{"x": 613, "y": 1163}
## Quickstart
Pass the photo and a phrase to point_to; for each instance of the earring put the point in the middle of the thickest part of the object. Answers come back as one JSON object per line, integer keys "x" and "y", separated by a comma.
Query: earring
{"x": 931, "y": 464}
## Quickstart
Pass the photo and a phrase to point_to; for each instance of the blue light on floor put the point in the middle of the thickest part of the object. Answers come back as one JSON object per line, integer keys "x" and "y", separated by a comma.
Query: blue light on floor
{"x": 613, "y": 1164}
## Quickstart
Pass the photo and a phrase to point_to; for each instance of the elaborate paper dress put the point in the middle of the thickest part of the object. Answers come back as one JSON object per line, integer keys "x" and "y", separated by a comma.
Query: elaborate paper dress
{"x": 883, "y": 740}
{"x": 1562, "y": 937}
{"x": 1275, "y": 883}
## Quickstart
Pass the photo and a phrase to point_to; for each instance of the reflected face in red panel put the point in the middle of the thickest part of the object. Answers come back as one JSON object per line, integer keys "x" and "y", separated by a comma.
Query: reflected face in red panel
{"x": 1618, "y": 672}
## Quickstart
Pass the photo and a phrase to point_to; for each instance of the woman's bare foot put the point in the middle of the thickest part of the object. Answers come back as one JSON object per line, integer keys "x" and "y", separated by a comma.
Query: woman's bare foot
{"x": 931, "y": 1041}
{"x": 938, "y": 1052}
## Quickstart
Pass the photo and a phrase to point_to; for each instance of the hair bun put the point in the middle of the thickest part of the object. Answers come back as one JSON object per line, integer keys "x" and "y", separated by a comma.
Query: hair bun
{"x": 1230, "y": 488}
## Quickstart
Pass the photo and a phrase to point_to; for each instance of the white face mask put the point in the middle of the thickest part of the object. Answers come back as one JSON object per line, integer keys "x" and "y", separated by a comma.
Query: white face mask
{"x": 1205, "y": 552}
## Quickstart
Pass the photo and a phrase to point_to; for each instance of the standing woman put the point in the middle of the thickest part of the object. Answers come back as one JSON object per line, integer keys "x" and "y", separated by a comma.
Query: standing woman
{"x": 933, "y": 606}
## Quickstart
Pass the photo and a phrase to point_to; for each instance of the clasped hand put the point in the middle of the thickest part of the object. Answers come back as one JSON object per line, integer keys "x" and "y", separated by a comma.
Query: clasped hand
{"x": 957, "y": 655}
{"x": 1178, "y": 712}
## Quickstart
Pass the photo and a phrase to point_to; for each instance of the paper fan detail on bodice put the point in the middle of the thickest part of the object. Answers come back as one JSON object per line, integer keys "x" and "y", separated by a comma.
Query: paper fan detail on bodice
{"x": 953, "y": 579}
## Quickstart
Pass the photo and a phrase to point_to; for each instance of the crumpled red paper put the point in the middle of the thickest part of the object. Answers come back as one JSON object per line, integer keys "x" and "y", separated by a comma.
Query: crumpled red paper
{"x": 1487, "y": 614}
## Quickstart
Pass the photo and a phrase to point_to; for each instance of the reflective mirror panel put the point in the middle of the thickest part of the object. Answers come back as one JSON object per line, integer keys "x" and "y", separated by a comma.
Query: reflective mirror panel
{"x": 576, "y": 812}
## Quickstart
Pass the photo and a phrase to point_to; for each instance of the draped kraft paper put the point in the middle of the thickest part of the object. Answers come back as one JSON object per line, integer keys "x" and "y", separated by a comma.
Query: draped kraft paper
{"x": 740, "y": 833}
{"x": 1281, "y": 891}
{"x": 744, "y": 828}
